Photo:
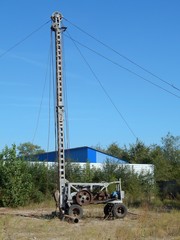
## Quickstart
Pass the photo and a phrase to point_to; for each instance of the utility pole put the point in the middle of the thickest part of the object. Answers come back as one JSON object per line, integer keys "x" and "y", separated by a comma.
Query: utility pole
{"x": 58, "y": 29}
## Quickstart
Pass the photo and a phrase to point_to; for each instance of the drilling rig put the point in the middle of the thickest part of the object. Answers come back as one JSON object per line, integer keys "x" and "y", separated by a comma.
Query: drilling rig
{"x": 73, "y": 196}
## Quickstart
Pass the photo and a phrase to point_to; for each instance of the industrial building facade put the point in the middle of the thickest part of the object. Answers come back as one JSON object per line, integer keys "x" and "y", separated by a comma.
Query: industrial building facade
{"x": 96, "y": 158}
{"x": 80, "y": 155}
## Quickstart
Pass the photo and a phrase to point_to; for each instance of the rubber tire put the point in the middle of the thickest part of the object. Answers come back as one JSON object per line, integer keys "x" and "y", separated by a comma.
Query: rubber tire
{"x": 108, "y": 209}
{"x": 119, "y": 210}
{"x": 75, "y": 211}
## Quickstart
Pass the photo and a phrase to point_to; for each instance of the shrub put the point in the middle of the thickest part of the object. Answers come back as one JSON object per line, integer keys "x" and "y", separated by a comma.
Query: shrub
{"x": 16, "y": 181}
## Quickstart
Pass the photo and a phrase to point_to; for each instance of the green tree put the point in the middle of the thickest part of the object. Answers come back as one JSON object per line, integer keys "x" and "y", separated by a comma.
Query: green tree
{"x": 171, "y": 148}
{"x": 171, "y": 152}
{"x": 139, "y": 153}
{"x": 162, "y": 168}
{"x": 42, "y": 181}
{"x": 29, "y": 149}
{"x": 109, "y": 169}
{"x": 116, "y": 151}
{"x": 87, "y": 173}
{"x": 16, "y": 182}
{"x": 98, "y": 175}
{"x": 73, "y": 172}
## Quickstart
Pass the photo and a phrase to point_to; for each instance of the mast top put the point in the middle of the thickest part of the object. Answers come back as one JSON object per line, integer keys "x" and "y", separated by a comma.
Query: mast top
{"x": 56, "y": 18}
{"x": 56, "y": 15}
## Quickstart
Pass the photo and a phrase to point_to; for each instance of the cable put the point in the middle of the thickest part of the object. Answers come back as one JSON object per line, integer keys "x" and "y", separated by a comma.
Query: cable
{"x": 24, "y": 39}
{"x": 42, "y": 97}
{"x": 106, "y": 93}
{"x": 117, "y": 64}
{"x": 126, "y": 58}
{"x": 67, "y": 144}
{"x": 54, "y": 95}
{"x": 50, "y": 81}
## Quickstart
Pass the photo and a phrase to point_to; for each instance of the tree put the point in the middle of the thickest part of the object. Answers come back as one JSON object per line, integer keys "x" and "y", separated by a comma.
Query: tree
{"x": 73, "y": 172}
{"x": 16, "y": 182}
{"x": 114, "y": 150}
{"x": 171, "y": 148}
{"x": 139, "y": 153}
{"x": 29, "y": 149}
{"x": 161, "y": 167}
{"x": 109, "y": 169}
{"x": 171, "y": 152}
{"x": 87, "y": 173}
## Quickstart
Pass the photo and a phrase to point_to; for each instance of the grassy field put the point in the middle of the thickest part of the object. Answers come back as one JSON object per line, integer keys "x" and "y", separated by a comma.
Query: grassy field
{"x": 36, "y": 222}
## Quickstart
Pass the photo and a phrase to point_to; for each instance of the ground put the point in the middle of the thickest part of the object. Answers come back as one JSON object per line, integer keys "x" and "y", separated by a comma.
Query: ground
{"x": 37, "y": 222}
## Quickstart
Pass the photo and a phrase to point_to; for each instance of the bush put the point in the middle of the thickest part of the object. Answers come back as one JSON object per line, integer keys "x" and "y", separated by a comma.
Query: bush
{"x": 22, "y": 182}
{"x": 16, "y": 181}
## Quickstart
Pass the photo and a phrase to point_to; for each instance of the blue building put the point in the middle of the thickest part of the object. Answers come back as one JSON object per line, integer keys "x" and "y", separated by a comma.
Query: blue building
{"x": 80, "y": 155}
{"x": 96, "y": 158}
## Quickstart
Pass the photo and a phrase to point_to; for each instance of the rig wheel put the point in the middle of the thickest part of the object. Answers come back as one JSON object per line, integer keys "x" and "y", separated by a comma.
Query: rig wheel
{"x": 75, "y": 211}
{"x": 119, "y": 210}
{"x": 108, "y": 210}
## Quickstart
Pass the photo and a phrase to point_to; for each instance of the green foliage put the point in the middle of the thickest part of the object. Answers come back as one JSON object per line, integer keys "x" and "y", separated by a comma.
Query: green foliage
{"x": 22, "y": 182}
{"x": 139, "y": 188}
{"x": 73, "y": 172}
{"x": 40, "y": 181}
{"x": 114, "y": 150}
{"x": 109, "y": 168}
{"x": 171, "y": 148}
{"x": 165, "y": 158}
{"x": 139, "y": 153}
{"x": 28, "y": 149}
{"x": 87, "y": 173}
{"x": 16, "y": 182}
{"x": 171, "y": 153}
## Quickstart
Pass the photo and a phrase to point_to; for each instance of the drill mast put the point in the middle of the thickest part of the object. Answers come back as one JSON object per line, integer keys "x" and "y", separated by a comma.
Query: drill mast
{"x": 58, "y": 29}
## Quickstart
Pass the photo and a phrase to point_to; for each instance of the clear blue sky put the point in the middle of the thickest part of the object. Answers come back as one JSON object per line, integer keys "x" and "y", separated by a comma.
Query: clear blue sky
{"x": 147, "y": 32}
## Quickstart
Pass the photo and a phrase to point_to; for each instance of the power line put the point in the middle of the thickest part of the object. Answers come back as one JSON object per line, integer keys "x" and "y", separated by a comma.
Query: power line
{"x": 123, "y": 56}
{"x": 105, "y": 91}
{"x": 23, "y": 40}
{"x": 125, "y": 68}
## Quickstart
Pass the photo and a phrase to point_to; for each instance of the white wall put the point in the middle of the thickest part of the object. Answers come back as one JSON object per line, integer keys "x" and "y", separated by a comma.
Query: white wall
{"x": 137, "y": 168}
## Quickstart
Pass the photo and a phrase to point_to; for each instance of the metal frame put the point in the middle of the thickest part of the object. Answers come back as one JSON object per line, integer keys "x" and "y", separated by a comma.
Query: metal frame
{"x": 74, "y": 188}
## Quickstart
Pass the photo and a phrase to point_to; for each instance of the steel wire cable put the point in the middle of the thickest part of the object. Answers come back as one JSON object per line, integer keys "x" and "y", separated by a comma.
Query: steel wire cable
{"x": 67, "y": 139}
{"x": 123, "y": 56}
{"x": 23, "y": 40}
{"x": 54, "y": 93}
{"x": 125, "y": 68}
{"x": 42, "y": 97}
{"x": 50, "y": 85}
{"x": 103, "y": 88}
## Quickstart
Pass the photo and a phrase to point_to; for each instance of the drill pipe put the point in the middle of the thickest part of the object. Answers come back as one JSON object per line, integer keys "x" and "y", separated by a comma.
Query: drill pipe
{"x": 70, "y": 219}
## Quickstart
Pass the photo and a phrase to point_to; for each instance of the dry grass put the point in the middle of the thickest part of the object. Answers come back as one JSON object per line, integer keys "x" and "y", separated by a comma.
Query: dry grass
{"x": 35, "y": 223}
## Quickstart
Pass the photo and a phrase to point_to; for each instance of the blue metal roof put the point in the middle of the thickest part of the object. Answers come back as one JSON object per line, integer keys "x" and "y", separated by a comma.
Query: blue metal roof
{"x": 81, "y": 155}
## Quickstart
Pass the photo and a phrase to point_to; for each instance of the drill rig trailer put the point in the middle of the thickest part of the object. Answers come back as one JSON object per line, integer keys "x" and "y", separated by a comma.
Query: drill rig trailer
{"x": 83, "y": 194}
